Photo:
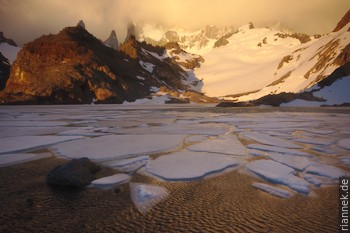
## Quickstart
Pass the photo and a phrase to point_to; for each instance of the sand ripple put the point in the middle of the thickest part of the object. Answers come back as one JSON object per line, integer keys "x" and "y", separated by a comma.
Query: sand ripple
{"x": 221, "y": 204}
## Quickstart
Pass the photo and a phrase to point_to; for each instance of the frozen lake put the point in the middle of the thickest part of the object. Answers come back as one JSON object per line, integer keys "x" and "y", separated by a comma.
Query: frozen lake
{"x": 293, "y": 150}
{"x": 190, "y": 141}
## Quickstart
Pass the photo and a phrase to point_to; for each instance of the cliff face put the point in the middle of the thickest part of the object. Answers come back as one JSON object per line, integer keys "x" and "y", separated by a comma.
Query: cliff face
{"x": 74, "y": 67}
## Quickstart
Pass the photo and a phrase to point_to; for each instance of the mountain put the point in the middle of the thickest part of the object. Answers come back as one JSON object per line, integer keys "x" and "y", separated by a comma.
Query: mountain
{"x": 4, "y": 71}
{"x": 112, "y": 41}
{"x": 248, "y": 63}
{"x": 74, "y": 67}
{"x": 198, "y": 42}
{"x": 245, "y": 66}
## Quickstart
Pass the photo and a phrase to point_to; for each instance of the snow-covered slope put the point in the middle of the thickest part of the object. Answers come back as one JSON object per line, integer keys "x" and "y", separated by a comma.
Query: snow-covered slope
{"x": 335, "y": 94}
{"x": 249, "y": 63}
{"x": 262, "y": 61}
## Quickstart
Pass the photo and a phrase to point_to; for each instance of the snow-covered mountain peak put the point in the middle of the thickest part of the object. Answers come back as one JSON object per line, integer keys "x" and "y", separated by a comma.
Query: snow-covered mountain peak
{"x": 196, "y": 42}
{"x": 246, "y": 27}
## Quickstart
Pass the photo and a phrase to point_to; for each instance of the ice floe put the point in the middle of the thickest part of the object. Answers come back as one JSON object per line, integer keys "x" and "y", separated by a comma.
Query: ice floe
{"x": 128, "y": 165}
{"x": 187, "y": 165}
{"x": 17, "y": 144}
{"x": 228, "y": 144}
{"x": 118, "y": 146}
{"x": 257, "y": 152}
{"x": 145, "y": 196}
{"x": 346, "y": 161}
{"x": 344, "y": 143}
{"x": 110, "y": 182}
{"x": 11, "y": 159}
{"x": 296, "y": 162}
{"x": 326, "y": 170}
{"x": 269, "y": 140}
{"x": 278, "y": 149}
{"x": 316, "y": 141}
{"x": 319, "y": 180}
{"x": 278, "y": 192}
{"x": 278, "y": 173}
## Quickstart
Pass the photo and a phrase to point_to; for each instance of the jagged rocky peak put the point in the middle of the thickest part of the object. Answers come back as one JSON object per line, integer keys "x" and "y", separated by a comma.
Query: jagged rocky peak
{"x": 211, "y": 31}
{"x": 81, "y": 24}
{"x": 4, "y": 71}
{"x": 112, "y": 41}
{"x": 3, "y": 39}
{"x": 344, "y": 21}
{"x": 172, "y": 36}
{"x": 130, "y": 47}
{"x": 84, "y": 71}
{"x": 131, "y": 32}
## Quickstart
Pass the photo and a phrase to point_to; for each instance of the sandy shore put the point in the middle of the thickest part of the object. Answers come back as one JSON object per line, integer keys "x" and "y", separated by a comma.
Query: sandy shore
{"x": 226, "y": 203}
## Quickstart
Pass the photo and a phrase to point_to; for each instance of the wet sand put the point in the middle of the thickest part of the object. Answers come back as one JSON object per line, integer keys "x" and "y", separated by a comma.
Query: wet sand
{"x": 226, "y": 203}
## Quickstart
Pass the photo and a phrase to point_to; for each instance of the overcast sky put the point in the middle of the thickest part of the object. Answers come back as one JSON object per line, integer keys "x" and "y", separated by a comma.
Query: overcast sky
{"x": 25, "y": 20}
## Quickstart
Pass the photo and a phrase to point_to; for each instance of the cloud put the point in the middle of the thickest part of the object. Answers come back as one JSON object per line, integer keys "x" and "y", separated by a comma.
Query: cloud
{"x": 24, "y": 20}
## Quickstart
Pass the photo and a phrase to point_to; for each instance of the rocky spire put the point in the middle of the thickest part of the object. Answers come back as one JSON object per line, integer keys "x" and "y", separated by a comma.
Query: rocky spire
{"x": 112, "y": 41}
{"x": 81, "y": 24}
{"x": 344, "y": 21}
{"x": 3, "y": 39}
{"x": 131, "y": 31}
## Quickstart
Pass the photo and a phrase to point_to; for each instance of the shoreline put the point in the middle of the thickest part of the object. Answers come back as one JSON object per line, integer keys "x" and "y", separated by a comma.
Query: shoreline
{"x": 226, "y": 203}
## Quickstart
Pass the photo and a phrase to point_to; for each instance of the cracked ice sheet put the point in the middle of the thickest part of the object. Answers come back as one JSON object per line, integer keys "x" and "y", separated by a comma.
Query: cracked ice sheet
{"x": 286, "y": 126}
{"x": 16, "y": 144}
{"x": 87, "y": 131}
{"x": 185, "y": 165}
{"x": 269, "y": 140}
{"x": 11, "y": 159}
{"x": 278, "y": 192}
{"x": 278, "y": 173}
{"x": 145, "y": 196}
{"x": 227, "y": 144}
{"x": 296, "y": 162}
{"x": 278, "y": 149}
{"x": 203, "y": 129}
{"x": 118, "y": 146}
{"x": 6, "y": 132}
{"x": 35, "y": 123}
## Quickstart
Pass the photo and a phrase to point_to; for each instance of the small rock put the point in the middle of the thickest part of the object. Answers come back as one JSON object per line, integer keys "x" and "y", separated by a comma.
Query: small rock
{"x": 76, "y": 173}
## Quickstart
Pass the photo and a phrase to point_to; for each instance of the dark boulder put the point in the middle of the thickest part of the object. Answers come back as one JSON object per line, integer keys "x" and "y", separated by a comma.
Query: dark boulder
{"x": 76, "y": 173}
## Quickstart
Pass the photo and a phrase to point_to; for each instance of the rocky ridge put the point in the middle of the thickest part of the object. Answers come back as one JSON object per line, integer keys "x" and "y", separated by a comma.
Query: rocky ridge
{"x": 112, "y": 41}
{"x": 74, "y": 67}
